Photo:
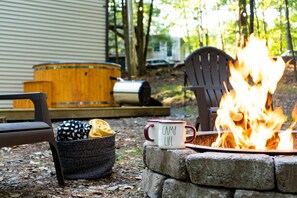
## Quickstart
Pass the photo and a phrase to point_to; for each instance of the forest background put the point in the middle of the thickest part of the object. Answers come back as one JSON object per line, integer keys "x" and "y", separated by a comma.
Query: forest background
{"x": 225, "y": 24}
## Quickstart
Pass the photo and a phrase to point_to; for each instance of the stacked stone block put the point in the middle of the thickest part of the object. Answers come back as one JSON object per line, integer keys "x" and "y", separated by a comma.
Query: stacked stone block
{"x": 187, "y": 173}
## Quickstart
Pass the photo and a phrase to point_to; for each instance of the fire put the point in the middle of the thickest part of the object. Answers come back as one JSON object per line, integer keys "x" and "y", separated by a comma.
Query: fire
{"x": 246, "y": 111}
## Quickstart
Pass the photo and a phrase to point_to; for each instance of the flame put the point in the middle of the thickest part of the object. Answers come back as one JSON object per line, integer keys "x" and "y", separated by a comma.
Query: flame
{"x": 247, "y": 110}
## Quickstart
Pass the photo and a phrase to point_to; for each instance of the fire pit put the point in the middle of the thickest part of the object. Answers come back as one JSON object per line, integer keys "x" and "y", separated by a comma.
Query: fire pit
{"x": 249, "y": 155}
{"x": 246, "y": 119}
{"x": 204, "y": 171}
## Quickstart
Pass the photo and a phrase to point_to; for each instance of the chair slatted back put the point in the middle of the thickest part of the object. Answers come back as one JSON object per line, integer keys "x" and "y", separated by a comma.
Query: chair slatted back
{"x": 209, "y": 67}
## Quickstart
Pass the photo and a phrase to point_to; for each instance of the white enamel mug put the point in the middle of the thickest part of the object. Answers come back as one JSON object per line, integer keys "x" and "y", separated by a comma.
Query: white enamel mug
{"x": 172, "y": 134}
{"x": 151, "y": 131}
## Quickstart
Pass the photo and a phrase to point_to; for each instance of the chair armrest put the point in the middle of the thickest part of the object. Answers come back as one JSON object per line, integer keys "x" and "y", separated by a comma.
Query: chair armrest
{"x": 193, "y": 88}
{"x": 206, "y": 87}
{"x": 39, "y": 100}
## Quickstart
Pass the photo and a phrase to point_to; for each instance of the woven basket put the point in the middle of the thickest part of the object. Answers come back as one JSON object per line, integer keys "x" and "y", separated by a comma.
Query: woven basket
{"x": 87, "y": 158}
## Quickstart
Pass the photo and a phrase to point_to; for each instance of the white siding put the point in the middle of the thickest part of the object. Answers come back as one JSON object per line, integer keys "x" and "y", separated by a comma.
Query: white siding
{"x": 37, "y": 31}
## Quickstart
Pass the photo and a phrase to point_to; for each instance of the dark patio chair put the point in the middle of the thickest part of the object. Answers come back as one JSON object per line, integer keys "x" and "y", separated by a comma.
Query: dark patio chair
{"x": 206, "y": 69}
{"x": 39, "y": 130}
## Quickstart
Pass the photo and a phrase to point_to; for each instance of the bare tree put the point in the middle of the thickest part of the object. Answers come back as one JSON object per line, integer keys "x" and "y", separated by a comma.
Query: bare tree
{"x": 221, "y": 26}
{"x": 126, "y": 35}
{"x": 142, "y": 38}
{"x": 280, "y": 10}
{"x": 251, "y": 26}
{"x": 148, "y": 28}
{"x": 257, "y": 22}
{"x": 289, "y": 37}
{"x": 139, "y": 38}
{"x": 200, "y": 27}
{"x": 115, "y": 34}
{"x": 264, "y": 21}
{"x": 242, "y": 23}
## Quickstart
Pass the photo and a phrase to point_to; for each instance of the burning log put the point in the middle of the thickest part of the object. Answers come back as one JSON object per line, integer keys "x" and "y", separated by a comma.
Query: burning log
{"x": 294, "y": 115}
{"x": 236, "y": 117}
{"x": 268, "y": 104}
{"x": 272, "y": 142}
{"x": 228, "y": 140}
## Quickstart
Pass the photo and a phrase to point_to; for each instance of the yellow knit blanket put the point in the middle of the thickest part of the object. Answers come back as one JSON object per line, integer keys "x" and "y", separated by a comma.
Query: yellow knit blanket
{"x": 100, "y": 128}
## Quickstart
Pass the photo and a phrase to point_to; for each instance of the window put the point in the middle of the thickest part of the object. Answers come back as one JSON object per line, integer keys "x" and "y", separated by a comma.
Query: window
{"x": 169, "y": 49}
{"x": 157, "y": 47}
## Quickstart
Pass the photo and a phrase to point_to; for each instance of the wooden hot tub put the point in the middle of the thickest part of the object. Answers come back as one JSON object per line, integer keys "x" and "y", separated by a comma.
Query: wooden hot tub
{"x": 79, "y": 84}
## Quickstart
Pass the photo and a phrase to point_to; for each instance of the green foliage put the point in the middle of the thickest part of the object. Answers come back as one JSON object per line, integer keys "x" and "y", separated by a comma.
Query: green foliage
{"x": 192, "y": 19}
{"x": 267, "y": 16}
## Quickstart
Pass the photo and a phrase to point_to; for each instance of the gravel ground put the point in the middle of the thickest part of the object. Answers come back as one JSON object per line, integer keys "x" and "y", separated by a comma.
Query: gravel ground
{"x": 28, "y": 171}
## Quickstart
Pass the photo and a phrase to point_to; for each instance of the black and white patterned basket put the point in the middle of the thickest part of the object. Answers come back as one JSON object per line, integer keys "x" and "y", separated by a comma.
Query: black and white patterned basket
{"x": 87, "y": 158}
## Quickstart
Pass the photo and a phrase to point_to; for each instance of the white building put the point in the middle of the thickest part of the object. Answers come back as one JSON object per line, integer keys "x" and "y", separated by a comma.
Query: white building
{"x": 37, "y": 31}
{"x": 172, "y": 52}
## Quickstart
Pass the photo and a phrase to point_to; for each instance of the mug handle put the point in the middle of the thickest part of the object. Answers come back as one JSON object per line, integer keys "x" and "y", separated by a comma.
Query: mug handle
{"x": 146, "y": 133}
{"x": 194, "y": 133}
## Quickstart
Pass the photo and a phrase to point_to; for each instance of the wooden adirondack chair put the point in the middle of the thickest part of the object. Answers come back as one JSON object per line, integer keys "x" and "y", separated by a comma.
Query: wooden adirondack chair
{"x": 206, "y": 69}
{"x": 30, "y": 132}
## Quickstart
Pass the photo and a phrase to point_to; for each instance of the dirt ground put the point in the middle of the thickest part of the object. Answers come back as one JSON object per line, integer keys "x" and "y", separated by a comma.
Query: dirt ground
{"x": 28, "y": 171}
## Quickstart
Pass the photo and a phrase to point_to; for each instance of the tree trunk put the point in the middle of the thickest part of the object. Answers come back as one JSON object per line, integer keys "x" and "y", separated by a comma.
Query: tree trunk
{"x": 200, "y": 27}
{"x": 115, "y": 33}
{"x": 251, "y": 26}
{"x": 135, "y": 53}
{"x": 280, "y": 9}
{"x": 126, "y": 36}
{"x": 221, "y": 29}
{"x": 222, "y": 37}
{"x": 257, "y": 21}
{"x": 139, "y": 38}
{"x": 148, "y": 29}
{"x": 289, "y": 37}
{"x": 187, "y": 26}
{"x": 243, "y": 30}
{"x": 131, "y": 38}
{"x": 264, "y": 23}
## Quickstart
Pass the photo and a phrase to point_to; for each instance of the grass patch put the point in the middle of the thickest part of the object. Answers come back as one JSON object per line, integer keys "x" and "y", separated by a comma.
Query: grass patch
{"x": 135, "y": 152}
{"x": 120, "y": 155}
{"x": 190, "y": 110}
{"x": 173, "y": 94}
{"x": 286, "y": 88}
{"x": 169, "y": 90}
{"x": 123, "y": 155}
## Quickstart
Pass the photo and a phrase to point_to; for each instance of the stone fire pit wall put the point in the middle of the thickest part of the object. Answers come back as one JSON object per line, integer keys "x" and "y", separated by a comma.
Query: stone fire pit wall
{"x": 187, "y": 173}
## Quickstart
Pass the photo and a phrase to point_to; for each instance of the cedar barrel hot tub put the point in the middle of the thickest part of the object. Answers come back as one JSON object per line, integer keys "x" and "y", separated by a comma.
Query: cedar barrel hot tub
{"x": 79, "y": 84}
